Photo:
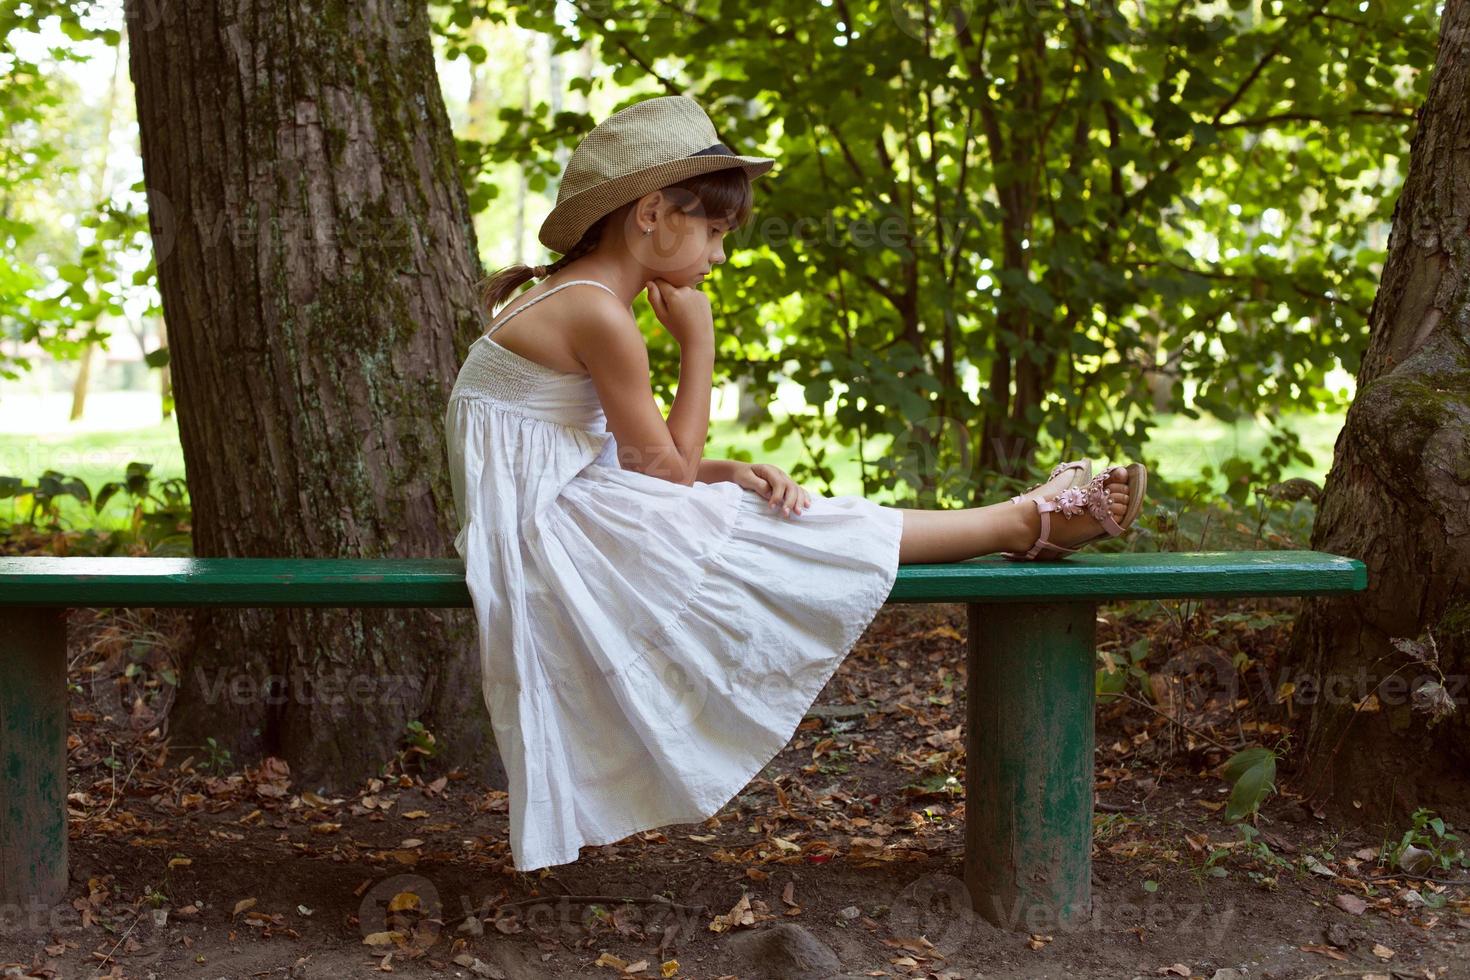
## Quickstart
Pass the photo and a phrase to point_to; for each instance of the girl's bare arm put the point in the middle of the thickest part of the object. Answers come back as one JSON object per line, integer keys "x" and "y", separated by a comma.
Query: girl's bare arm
{"x": 606, "y": 339}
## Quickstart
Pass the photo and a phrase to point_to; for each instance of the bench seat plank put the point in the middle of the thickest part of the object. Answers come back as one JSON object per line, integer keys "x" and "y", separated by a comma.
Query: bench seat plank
{"x": 79, "y": 581}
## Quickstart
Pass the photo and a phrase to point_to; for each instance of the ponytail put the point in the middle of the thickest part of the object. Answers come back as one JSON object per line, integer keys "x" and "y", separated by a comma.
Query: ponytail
{"x": 494, "y": 289}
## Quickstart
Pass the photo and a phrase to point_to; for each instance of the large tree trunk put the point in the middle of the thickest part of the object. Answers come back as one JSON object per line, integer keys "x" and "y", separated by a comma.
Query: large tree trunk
{"x": 1398, "y": 497}
{"x": 316, "y": 261}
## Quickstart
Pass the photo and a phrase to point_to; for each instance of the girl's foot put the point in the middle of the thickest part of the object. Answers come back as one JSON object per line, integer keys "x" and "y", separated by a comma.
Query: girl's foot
{"x": 1063, "y": 530}
{"x": 1049, "y": 489}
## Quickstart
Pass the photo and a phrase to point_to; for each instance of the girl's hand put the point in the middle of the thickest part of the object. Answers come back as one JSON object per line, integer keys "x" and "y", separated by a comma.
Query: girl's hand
{"x": 772, "y": 483}
{"x": 684, "y": 312}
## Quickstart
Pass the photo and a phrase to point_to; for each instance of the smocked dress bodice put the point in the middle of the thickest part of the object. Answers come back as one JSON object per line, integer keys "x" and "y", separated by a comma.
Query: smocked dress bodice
{"x": 499, "y": 374}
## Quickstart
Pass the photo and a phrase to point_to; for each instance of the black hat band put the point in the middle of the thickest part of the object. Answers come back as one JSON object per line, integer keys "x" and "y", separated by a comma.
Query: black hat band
{"x": 717, "y": 148}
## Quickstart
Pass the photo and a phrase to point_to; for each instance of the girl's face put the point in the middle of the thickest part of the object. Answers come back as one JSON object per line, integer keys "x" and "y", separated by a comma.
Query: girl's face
{"x": 684, "y": 248}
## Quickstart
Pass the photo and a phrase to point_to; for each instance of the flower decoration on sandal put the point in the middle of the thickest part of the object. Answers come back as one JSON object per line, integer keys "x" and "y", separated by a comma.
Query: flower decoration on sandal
{"x": 1071, "y": 501}
{"x": 1091, "y": 497}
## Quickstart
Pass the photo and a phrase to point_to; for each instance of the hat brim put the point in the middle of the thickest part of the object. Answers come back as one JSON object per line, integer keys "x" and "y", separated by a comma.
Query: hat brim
{"x": 569, "y": 219}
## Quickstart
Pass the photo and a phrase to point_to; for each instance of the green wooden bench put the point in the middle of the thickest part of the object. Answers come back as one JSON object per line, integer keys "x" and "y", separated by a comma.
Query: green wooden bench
{"x": 1029, "y": 714}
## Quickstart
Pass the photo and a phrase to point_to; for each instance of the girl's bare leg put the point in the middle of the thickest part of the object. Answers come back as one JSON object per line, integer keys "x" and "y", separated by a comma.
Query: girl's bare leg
{"x": 936, "y": 536}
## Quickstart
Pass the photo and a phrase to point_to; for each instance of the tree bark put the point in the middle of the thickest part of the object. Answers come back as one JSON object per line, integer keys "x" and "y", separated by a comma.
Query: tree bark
{"x": 316, "y": 261}
{"x": 1398, "y": 498}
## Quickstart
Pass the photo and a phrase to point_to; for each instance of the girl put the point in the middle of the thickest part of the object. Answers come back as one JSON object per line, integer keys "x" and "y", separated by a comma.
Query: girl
{"x": 653, "y": 625}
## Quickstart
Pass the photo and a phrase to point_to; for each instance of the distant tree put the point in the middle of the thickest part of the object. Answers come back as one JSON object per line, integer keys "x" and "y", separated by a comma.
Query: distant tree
{"x": 54, "y": 284}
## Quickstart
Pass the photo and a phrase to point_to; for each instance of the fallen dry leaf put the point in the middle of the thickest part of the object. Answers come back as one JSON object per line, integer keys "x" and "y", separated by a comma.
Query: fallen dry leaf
{"x": 739, "y": 915}
{"x": 608, "y": 959}
{"x": 403, "y": 901}
{"x": 1324, "y": 950}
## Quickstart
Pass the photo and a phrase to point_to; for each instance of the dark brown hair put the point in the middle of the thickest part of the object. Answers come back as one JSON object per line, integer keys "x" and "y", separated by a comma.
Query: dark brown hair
{"x": 718, "y": 194}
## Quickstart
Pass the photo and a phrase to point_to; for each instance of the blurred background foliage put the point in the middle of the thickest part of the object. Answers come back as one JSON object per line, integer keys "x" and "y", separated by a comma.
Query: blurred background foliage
{"x": 998, "y": 234}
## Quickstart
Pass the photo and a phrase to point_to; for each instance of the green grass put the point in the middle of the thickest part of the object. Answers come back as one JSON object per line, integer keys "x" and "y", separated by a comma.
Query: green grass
{"x": 94, "y": 457}
{"x": 1181, "y": 447}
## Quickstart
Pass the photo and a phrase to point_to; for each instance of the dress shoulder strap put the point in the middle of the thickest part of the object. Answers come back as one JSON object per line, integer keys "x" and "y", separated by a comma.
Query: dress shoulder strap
{"x": 569, "y": 282}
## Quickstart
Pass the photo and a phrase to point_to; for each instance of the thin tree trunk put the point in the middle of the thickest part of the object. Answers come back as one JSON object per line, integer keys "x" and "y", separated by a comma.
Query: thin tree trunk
{"x": 1398, "y": 497}
{"x": 100, "y": 194}
{"x": 523, "y": 187}
{"x": 165, "y": 374}
{"x": 316, "y": 261}
{"x": 81, "y": 383}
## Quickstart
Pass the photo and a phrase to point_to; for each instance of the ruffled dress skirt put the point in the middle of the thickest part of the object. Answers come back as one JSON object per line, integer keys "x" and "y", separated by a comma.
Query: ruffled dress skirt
{"x": 647, "y": 647}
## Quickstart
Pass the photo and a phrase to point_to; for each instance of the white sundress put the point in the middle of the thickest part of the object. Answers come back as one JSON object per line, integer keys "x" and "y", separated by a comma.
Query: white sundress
{"x": 647, "y": 647}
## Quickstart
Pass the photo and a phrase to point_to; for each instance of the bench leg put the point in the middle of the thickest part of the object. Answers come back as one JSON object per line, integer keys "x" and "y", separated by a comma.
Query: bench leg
{"x": 1028, "y": 769}
{"x": 32, "y": 758}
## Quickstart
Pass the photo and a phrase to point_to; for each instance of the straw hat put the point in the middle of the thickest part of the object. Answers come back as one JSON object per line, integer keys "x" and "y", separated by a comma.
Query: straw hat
{"x": 636, "y": 150}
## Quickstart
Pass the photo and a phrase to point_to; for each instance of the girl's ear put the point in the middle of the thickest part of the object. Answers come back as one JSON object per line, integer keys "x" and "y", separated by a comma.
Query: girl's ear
{"x": 647, "y": 209}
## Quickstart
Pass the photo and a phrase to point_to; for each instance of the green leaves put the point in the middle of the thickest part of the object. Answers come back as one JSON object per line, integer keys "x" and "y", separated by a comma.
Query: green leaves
{"x": 1105, "y": 195}
{"x": 1113, "y": 679}
{"x": 1251, "y": 774}
{"x": 157, "y": 512}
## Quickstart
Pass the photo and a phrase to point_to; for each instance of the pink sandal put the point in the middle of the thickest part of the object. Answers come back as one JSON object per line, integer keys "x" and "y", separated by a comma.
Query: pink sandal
{"x": 1094, "y": 499}
{"x": 1084, "y": 473}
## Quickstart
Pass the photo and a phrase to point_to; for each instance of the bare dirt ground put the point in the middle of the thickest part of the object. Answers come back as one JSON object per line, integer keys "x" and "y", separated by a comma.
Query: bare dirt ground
{"x": 843, "y": 859}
